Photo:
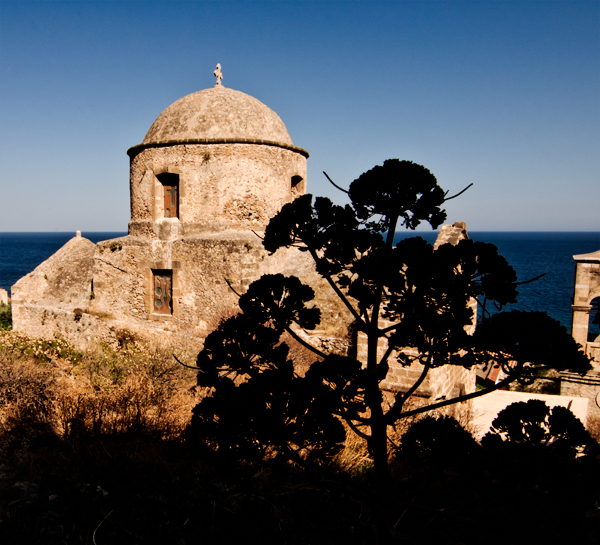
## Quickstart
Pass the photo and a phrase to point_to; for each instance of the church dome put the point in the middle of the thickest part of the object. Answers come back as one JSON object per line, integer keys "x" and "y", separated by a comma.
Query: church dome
{"x": 218, "y": 115}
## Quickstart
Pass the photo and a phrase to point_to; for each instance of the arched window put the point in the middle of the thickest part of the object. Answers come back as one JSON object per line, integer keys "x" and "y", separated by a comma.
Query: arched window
{"x": 170, "y": 183}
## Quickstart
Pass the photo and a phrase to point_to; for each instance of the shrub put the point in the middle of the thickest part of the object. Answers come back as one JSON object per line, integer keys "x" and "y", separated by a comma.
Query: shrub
{"x": 438, "y": 439}
{"x": 534, "y": 425}
{"x": 5, "y": 317}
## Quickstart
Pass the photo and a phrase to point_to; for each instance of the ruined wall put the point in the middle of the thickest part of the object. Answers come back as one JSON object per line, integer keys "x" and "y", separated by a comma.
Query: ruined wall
{"x": 59, "y": 285}
{"x": 572, "y": 384}
{"x": 202, "y": 268}
{"x": 221, "y": 186}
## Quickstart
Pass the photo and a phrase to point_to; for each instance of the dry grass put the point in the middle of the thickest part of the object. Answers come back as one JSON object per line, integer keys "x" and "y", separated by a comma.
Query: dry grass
{"x": 47, "y": 386}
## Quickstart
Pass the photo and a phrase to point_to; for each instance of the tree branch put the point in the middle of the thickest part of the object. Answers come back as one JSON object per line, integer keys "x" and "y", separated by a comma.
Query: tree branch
{"x": 335, "y": 288}
{"x": 345, "y": 415}
{"x": 397, "y": 407}
{"x": 387, "y": 354}
{"x": 351, "y": 425}
{"x": 305, "y": 344}
{"x": 334, "y": 184}
{"x": 185, "y": 365}
{"x": 389, "y": 328}
{"x": 231, "y": 287}
{"x": 458, "y": 399}
{"x": 531, "y": 280}
{"x": 393, "y": 442}
{"x": 457, "y": 195}
{"x": 97, "y": 527}
{"x": 374, "y": 321}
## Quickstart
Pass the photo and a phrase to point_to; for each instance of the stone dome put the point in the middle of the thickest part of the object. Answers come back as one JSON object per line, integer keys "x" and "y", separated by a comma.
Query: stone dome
{"x": 218, "y": 115}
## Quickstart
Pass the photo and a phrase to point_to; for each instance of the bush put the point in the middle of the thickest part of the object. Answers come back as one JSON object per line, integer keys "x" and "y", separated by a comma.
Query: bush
{"x": 437, "y": 439}
{"x": 5, "y": 317}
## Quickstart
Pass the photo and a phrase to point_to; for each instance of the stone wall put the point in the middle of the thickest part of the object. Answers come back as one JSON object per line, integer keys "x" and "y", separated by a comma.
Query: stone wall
{"x": 113, "y": 288}
{"x": 63, "y": 281}
{"x": 572, "y": 384}
{"x": 221, "y": 186}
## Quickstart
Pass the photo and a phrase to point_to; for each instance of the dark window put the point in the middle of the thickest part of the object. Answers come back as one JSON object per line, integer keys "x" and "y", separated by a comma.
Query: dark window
{"x": 296, "y": 180}
{"x": 162, "y": 292}
{"x": 170, "y": 183}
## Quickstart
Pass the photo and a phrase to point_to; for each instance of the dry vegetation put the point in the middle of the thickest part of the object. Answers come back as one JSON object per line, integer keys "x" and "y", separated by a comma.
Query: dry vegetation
{"x": 92, "y": 450}
{"x": 46, "y": 384}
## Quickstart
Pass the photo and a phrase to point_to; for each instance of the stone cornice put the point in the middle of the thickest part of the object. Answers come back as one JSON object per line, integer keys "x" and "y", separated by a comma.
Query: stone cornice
{"x": 593, "y": 257}
{"x": 134, "y": 150}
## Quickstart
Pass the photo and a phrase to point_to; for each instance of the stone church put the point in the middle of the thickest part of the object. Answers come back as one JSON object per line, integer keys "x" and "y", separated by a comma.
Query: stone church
{"x": 212, "y": 170}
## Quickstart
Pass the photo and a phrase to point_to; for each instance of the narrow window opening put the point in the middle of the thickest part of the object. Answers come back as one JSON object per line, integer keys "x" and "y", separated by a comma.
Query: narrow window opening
{"x": 296, "y": 181}
{"x": 170, "y": 183}
{"x": 162, "y": 292}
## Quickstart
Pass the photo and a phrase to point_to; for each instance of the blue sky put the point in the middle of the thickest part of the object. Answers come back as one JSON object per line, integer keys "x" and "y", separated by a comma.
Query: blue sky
{"x": 505, "y": 95}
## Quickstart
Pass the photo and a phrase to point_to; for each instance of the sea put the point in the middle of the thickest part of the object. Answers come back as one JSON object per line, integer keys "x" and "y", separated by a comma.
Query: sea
{"x": 529, "y": 253}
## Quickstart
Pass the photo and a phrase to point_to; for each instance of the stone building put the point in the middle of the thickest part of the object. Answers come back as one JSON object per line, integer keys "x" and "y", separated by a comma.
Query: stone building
{"x": 211, "y": 171}
{"x": 586, "y": 292}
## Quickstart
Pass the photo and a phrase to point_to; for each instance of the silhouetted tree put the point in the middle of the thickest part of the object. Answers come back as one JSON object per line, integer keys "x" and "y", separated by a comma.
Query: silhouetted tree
{"x": 532, "y": 424}
{"x": 259, "y": 406}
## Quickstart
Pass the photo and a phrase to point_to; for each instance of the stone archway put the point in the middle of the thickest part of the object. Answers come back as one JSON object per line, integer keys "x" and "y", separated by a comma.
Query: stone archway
{"x": 587, "y": 288}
